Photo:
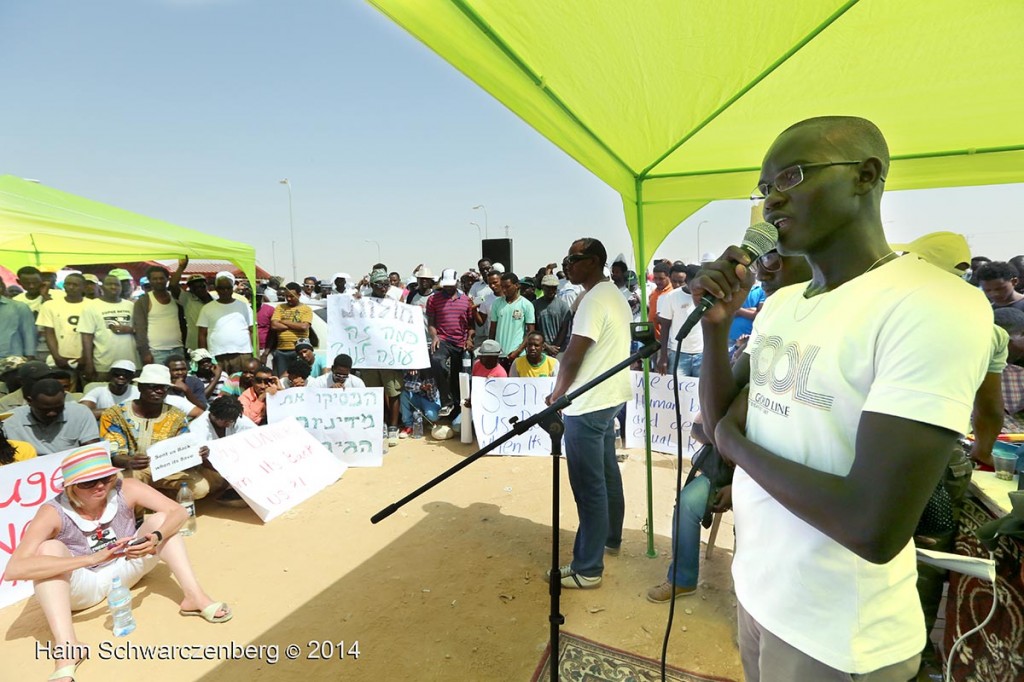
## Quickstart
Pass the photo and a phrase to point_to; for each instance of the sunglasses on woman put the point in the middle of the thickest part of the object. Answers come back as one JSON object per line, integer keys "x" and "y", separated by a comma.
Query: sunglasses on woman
{"x": 89, "y": 485}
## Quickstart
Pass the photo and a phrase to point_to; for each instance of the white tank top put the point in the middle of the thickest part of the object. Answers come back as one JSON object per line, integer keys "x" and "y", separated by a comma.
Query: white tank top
{"x": 164, "y": 331}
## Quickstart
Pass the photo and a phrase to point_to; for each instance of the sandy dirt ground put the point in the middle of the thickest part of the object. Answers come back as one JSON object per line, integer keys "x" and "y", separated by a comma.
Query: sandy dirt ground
{"x": 449, "y": 588}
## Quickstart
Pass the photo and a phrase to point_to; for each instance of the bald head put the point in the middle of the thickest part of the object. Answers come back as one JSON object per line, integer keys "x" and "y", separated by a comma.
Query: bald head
{"x": 849, "y": 137}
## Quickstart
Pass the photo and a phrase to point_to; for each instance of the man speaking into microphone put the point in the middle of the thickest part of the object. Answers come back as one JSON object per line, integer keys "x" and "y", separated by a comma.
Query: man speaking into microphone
{"x": 839, "y": 416}
{"x": 600, "y": 340}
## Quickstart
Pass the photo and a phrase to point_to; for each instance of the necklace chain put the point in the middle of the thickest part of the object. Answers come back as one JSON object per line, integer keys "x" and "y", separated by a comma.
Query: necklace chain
{"x": 816, "y": 294}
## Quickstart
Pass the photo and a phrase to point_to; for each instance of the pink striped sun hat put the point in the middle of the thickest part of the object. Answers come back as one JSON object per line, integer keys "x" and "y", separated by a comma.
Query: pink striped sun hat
{"x": 87, "y": 463}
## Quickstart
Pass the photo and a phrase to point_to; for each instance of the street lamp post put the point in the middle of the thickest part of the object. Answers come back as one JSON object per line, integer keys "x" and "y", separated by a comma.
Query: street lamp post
{"x": 699, "y": 254}
{"x": 291, "y": 226}
{"x": 484, "y": 208}
{"x": 479, "y": 232}
{"x": 273, "y": 254}
{"x": 370, "y": 241}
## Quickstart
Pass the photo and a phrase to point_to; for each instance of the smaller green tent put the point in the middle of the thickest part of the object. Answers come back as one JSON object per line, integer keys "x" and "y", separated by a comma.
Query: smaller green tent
{"x": 47, "y": 228}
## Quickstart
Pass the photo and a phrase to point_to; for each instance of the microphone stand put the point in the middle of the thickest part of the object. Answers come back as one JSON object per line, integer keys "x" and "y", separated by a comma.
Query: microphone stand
{"x": 549, "y": 419}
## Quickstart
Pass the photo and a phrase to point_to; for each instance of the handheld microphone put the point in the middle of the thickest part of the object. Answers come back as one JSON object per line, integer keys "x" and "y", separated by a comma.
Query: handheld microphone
{"x": 758, "y": 240}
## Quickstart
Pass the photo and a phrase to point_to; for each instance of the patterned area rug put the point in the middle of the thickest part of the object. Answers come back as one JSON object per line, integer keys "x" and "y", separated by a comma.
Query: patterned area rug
{"x": 582, "y": 660}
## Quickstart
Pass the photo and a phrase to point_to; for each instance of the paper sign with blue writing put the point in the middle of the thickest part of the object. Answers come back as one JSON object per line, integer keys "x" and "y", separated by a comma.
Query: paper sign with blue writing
{"x": 377, "y": 333}
{"x": 663, "y": 412}
{"x": 495, "y": 401}
{"x": 275, "y": 467}
{"x": 346, "y": 421}
{"x": 24, "y": 487}
{"x": 173, "y": 455}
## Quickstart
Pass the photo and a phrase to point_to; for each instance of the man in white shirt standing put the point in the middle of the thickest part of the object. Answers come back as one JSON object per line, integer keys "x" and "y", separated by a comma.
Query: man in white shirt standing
{"x": 225, "y": 327}
{"x": 59, "y": 319}
{"x": 107, "y": 331}
{"x": 839, "y": 416}
{"x": 600, "y": 339}
{"x": 673, "y": 309}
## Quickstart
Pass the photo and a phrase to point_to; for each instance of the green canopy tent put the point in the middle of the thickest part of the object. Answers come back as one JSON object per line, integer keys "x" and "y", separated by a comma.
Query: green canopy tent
{"x": 48, "y": 228}
{"x": 673, "y": 103}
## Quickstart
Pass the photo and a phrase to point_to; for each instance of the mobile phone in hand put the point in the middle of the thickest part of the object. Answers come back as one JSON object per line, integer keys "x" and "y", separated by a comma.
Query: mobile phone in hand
{"x": 138, "y": 541}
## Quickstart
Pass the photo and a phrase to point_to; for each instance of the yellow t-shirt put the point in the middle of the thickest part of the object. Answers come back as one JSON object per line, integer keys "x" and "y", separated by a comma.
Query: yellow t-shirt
{"x": 547, "y": 367}
{"x": 300, "y": 313}
{"x": 22, "y": 450}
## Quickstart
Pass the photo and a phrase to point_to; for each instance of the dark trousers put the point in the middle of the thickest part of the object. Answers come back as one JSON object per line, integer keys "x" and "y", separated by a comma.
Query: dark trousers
{"x": 445, "y": 363}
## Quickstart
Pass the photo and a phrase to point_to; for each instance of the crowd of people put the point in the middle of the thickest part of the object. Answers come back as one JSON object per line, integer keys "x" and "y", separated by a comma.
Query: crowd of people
{"x": 818, "y": 411}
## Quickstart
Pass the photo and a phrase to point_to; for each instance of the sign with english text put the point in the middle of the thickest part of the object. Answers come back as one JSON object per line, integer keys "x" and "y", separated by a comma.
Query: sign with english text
{"x": 664, "y": 430}
{"x": 275, "y": 467}
{"x": 497, "y": 400}
{"x": 377, "y": 333}
{"x": 346, "y": 421}
{"x": 24, "y": 487}
{"x": 173, "y": 455}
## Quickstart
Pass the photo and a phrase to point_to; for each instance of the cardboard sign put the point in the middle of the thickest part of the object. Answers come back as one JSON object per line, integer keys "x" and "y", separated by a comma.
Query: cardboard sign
{"x": 346, "y": 421}
{"x": 173, "y": 455}
{"x": 24, "y": 487}
{"x": 275, "y": 467}
{"x": 495, "y": 401}
{"x": 664, "y": 430}
{"x": 377, "y": 333}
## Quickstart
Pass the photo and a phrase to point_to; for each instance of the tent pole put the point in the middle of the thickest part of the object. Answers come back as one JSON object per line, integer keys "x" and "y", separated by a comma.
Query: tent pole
{"x": 641, "y": 267}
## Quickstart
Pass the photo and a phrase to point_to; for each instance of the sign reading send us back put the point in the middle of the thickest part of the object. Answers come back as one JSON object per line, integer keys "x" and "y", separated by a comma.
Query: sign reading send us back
{"x": 377, "y": 333}
{"x": 664, "y": 429}
{"x": 497, "y": 401}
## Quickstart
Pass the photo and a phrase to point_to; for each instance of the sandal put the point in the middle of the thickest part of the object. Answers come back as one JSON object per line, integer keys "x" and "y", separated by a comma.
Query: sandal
{"x": 66, "y": 671}
{"x": 209, "y": 614}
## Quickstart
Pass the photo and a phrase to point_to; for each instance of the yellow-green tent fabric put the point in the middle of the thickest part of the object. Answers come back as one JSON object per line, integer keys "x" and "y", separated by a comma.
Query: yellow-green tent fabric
{"x": 673, "y": 103}
{"x": 47, "y": 228}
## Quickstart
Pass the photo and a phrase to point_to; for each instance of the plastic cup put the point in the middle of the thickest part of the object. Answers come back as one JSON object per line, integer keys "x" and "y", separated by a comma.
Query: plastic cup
{"x": 1005, "y": 464}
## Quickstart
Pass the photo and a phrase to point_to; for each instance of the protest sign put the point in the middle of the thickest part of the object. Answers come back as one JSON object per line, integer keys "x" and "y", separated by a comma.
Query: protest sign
{"x": 346, "y": 421}
{"x": 173, "y": 455}
{"x": 378, "y": 333}
{"x": 274, "y": 467}
{"x": 24, "y": 487}
{"x": 663, "y": 413}
{"x": 495, "y": 401}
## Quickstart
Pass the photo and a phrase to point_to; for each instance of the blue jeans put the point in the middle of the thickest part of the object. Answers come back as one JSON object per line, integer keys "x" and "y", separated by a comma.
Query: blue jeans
{"x": 690, "y": 508}
{"x": 689, "y": 363}
{"x": 410, "y": 400}
{"x": 160, "y": 356}
{"x": 596, "y": 485}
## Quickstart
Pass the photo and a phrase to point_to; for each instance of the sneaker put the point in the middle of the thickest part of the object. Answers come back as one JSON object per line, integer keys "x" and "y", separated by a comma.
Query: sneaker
{"x": 612, "y": 551}
{"x": 665, "y": 592}
{"x": 445, "y": 411}
{"x": 574, "y": 580}
{"x": 406, "y": 432}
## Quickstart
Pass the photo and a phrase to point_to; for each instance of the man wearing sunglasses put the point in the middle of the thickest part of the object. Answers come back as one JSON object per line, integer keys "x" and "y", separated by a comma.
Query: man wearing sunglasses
{"x": 254, "y": 398}
{"x": 340, "y": 375}
{"x": 839, "y": 417}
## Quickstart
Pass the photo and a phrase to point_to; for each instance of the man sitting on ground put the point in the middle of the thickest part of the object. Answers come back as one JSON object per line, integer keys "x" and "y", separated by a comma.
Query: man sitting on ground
{"x": 418, "y": 395}
{"x": 223, "y": 419}
{"x": 340, "y": 375}
{"x": 118, "y": 389}
{"x": 48, "y": 422}
{"x": 239, "y": 381}
{"x": 304, "y": 350}
{"x": 254, "y": 398}
{"x": 535, "y": 362}
{"x": 297, "y": 375}
{"x": 487, "y": 364}
{"x": 186, "y": 386}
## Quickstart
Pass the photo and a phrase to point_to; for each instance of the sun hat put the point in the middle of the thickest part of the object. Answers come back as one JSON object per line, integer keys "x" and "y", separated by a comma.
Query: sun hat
{"x": 424, "y": 273}
{"x": 549, "y": 281}
{"x": 489, "y": 347}
{"x": 126, "y": 365}
{"x": 449, "y": 277}
{"x": 201, "y": 354}
{"x": 87, "y": 463}
{"x": 944, "y": 250}
{"x": 154, "y": 374}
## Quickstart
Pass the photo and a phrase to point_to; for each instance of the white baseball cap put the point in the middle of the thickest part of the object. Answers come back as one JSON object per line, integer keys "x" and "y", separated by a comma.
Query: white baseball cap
{"x": 449, "y": 277}
{"x": 497, "y": 267}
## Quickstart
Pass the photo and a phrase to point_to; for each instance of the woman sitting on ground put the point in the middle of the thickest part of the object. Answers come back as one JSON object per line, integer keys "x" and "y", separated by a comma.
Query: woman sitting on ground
{"x": 78, "y": 542}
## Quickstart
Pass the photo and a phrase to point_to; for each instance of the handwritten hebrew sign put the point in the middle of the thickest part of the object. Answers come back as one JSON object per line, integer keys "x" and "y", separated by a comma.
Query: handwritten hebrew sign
{"x": 346, "y": 421}
{"x": 377, "y": 333}
{"x": 24, "y": 487}
{"x": 275, "y": 467}
{"x": 496, "y": 401}
{"x": 663, "y": 413}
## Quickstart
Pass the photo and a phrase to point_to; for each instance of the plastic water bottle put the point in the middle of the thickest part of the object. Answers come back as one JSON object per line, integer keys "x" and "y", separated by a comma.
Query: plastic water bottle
{"x": 385, "y": 450}
{"x": 186, "y": 500}
{"x": 417, "y": 424}
{"x": 119, "y": 602}
{"x": 467, "y": 362}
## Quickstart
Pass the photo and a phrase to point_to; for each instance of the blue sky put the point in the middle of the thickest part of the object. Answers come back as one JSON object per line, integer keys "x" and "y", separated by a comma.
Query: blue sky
{"x": 192, "y": 110}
